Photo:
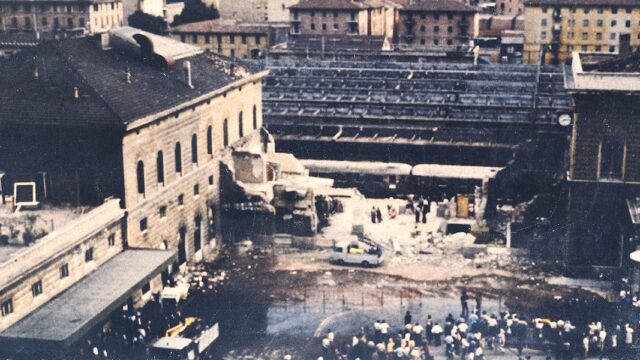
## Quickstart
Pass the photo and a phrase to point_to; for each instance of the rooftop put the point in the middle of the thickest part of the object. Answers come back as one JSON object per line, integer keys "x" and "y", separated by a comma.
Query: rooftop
{"x": 20, "y": 263}
{"x": 336, "y": 4}
{"x": 582, "y": 2}
{"x": 69, "y": 316}
{"x": 609, "y": 74}
{"x": 38, "y": 83}
{"x": 228, "y": 26}
{"x": 438, "y": 5}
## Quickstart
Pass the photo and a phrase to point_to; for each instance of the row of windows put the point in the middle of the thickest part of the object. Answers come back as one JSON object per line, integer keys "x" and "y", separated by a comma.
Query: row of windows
{"x": 45, "y": 22}
{"x": 585, "y": 23}
{"x": 160, "y": 171}
{"x": 436, "y": 29}
{"x": 312, "y": 13}
{"x": 46, "y": 8}
{"x": 56, "y": 8}
{"x": 437, "y": 41}
{"x": 232, "y": 38}
{"x": 436, "y": 16}
{"x": 599, "y": 10}
{"x": 584, "y": 36}
{"x": 598, "y": 48}
{"x": 63, "y": 270}
{"x": 162, "y": 210}
{"x": 336, "y": 26}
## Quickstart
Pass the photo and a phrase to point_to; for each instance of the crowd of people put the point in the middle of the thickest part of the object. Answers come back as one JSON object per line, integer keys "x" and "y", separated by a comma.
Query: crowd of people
{"x": 477, "y": 334}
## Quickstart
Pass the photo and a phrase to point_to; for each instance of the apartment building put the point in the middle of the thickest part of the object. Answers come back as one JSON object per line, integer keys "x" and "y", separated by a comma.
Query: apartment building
{"x": 429, "y": 24}
{"x": 554, "y": 29}
{"x": 50, "y": 18}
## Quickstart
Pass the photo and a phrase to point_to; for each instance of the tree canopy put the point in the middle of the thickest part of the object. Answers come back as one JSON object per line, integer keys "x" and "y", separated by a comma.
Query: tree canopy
{"x": 194, "y": 11}
{"x": 147, "y": 22}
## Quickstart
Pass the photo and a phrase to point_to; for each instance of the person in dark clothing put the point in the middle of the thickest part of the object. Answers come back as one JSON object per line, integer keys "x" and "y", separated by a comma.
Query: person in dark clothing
{"x": 479, "y": 303}
{"x": 425, "y": 210}
{"x": 416, "y": 211}
{"x": 464, "y": 303}
{"x": 407, "y": 318}
{"x": 378, "y": 214}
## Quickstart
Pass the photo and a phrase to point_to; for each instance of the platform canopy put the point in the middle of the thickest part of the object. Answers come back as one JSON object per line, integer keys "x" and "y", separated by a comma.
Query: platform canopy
{"x": 65, "y": 319}
{"x": 455, "y": 171}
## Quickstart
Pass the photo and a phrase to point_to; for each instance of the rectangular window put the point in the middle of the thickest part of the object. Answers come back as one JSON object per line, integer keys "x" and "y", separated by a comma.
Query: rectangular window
{"x": 36, "y": 288}
{"x": 611, "y": 155}
{"x": 163, "y": 211}
{"x": 258, "y": 39}
{"x": 7, "y": 307}
{"x": 207, "y": 39}
{"x": 196, "y": 190}
{"x": 613, "y": 36}
{"x": 599, "y": 22}
{"x": 146, "y": 288}
{"x": 543, "y": 35}
{"x": 88, "y": 255}
{"x": 543, "y": 22}
{"x": 614, "y": 10}
{"x": 232, "y": 39}
{"x": 112, "y": 240}
{"x": 210, "y": 179}
{"x": 64, "y": 271}
{"x": 244, "y": 39}
{"x": 143, "y": 225}
{"x": 585, "y": 22}
{"x": 598, "y": 36}
{"x": 181, "y": 199}
{"x": 627, "y": 23}
{"x": 614, "y": 23}
{"x": 584, "y": 36}
{"x": 612, "y": 49}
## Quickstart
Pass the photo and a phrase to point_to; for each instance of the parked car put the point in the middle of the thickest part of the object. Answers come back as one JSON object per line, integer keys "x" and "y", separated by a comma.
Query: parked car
{"x": 357, "y": 253}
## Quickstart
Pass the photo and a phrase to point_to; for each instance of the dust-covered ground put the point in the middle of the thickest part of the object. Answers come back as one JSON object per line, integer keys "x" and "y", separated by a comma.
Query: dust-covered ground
{"x": 276, "y": 300}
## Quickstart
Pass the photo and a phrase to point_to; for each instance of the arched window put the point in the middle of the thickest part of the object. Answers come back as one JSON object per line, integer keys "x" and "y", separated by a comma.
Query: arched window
{"x": 209, "y": 140}
{"x": 194, "y": 149}
{"x": 160, "y": 167}
{"x": 178, "y": 156}
{"x": 255, "y": 117}
{"x": 225, "y": 132}
{"x": 240, "y": 127}
{"x": 140, "y": 175}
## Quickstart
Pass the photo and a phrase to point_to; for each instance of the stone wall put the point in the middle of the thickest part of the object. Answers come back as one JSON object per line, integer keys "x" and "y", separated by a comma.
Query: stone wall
{"x": 100, "y": 230}
{"x": 597, "y": 116}
{"x": 172, "y": 208}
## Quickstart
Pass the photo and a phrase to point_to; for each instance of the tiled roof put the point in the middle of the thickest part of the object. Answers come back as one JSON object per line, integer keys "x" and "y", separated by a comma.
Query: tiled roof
{"x": 105, "y": 98}
{"x": 438, "y": 5}
{"x": 227, "y": 26}
{"x": 332, "y": 4}
{"x": 579, "y": 3}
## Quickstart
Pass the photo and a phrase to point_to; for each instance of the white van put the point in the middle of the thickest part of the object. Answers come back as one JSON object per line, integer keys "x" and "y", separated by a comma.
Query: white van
{"x": 356, "y": 253}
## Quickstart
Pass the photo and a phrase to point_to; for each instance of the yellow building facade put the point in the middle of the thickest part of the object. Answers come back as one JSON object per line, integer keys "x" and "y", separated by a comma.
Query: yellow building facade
{"x": 554, "y": 30}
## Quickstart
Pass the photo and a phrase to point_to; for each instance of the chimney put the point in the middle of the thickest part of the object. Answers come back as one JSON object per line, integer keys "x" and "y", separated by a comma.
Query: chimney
{"x": 76, "y": 93}
{"x": 127, "y": 75}
{"x": 186, "y": 67}
{"x": 104, "y": 41}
